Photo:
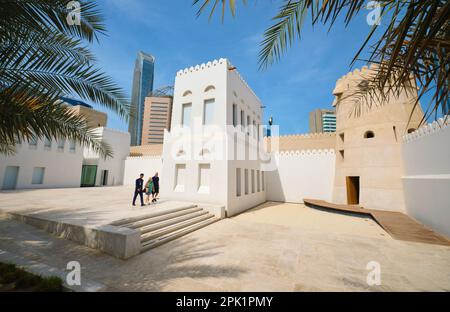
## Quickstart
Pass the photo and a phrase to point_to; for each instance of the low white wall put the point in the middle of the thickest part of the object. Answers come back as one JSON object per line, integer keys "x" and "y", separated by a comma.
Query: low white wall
{"x": 302, "y": 174}
{"x": 147, "y": 165}
{"x": 62, "y": 167}
{"x": 426, "y": 180}
{"x": 120, "y": 144}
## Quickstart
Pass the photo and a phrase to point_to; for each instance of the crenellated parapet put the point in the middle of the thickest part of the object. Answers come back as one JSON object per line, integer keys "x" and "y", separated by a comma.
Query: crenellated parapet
{"x": 212, "y": 64}
{"x": 428, "y": 129}
{"x": 307, "y": 152}
{"x": 319, "y": 135}
{"x": 301, "y": 142}
{"x": 352, "y": 79}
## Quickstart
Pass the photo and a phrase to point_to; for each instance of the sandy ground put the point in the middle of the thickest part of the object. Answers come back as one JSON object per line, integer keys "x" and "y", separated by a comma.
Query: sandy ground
{"x": 300, "y": 216}
{"x": 274, "y": 247}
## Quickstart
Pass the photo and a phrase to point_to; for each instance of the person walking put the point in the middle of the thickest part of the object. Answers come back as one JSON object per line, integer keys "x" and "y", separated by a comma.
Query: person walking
{"x": 149, "y": 191}
{"x": 155, "y": 180}
{"x": 139, "y": 189}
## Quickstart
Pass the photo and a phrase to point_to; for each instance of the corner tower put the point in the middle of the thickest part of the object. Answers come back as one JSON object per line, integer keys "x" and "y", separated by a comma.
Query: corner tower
{"x": 368, "y": 144}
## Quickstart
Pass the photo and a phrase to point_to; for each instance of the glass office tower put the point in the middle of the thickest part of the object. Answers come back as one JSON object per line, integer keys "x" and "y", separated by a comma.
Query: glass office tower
{"x": 142, "y": 86}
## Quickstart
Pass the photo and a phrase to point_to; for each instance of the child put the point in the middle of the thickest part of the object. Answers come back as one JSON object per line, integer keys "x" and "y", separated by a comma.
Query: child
{"x": 149, "y": 190}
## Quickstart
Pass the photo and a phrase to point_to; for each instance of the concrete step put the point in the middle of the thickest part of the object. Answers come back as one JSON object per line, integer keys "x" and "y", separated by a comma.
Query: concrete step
{"x": 129, "y": 221}
{"x": 153, "y": 220}
{"x": 177, "y": 234}
{"x": 173, "y": 220}
{"x": 172, "y": 228}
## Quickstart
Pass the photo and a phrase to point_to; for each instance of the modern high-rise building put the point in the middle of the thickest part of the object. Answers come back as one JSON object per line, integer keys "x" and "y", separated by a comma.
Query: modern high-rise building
{"x": 322, "y": 120}
{"x": 142, "y": 86}
{"x": 157, "y": 116}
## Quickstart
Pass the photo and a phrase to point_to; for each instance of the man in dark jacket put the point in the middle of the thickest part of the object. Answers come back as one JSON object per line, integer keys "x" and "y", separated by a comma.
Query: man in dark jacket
{"x": 155, "y": 180}
{"x": 139, "y": 190}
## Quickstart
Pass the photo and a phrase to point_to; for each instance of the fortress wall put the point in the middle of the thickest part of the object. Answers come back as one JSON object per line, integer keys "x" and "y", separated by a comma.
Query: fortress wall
{"x": 426, "y": 179}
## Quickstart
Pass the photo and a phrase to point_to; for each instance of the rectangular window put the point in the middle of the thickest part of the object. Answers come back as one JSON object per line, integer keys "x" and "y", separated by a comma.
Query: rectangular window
{"x": 72, "y": 146}
{"x": 263, "y": 182}
{"x": 238, "y": 182}
{"x": 248, "y": 124}
{"x": 253, "y": 181}
{"x": 258, "y": 130}
{"x": 33, "y": 142}
{"x": 10, "y": 178}
{"x": 180, "y": 177}
{"x": 246, "y": 181}
{"x": 61, "y": 144}
{"x": 258, "y": 181}
{"x": 208, "y": 112}
{"x": 242, "y": 118}
{"x": 38, "y": 175}
{"x": 204, "y": 172}
{"x": 186, "y": 118}
{"x": 47, "y": 144}
{"x": 235, "y": 116}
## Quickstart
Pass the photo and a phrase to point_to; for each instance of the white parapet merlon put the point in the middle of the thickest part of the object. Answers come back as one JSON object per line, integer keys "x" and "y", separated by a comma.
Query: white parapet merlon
{"x": 426, "y": 179}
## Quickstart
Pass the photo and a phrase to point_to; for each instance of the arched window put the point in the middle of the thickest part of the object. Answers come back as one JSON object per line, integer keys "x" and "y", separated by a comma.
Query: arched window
{"x": 369, "y": 135}
{"x": 411, "y": 130}
{"x": 209, "y": 89}
{"x": 187, "y": 93}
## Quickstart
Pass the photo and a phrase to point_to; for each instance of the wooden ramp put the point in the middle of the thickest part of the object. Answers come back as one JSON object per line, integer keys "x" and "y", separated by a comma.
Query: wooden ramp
{"x": 397, "y": 224}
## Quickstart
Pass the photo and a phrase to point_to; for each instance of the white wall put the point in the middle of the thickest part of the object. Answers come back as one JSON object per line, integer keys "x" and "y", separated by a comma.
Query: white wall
{"x": 120, "y": 145}
{"x": 62, "y": 168}
{"x": 426, "y": 180}
{"x": 302, "y": 174}
{"x": 147, "y": 165}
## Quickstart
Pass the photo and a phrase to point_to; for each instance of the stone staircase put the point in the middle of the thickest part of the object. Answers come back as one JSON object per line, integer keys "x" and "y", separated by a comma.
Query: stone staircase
{"x": 161, "y": 227}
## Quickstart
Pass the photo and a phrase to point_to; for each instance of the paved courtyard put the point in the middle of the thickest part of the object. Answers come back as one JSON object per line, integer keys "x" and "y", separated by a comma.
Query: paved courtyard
{"x": 274, "y": 247}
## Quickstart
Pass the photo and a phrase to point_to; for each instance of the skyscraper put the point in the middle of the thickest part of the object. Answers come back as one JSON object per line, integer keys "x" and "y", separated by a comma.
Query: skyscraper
{"x": 157, "y": 117}
{"x": 142, "y": 86}
{"x": 322, "y": 120}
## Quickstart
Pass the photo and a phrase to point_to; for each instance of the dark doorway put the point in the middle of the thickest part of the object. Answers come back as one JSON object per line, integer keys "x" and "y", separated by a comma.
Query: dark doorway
{"x": 353, "y": 190}
{"x": 88, "y": 176}
{"x": 105, "y": 177}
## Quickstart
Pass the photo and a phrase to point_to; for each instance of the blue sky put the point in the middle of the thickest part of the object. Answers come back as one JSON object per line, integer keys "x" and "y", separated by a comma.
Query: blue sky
{"x": 168, "y": 29}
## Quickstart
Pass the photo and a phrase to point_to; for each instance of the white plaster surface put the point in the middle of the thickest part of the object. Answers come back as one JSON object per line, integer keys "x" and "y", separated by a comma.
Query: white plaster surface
{"x": 148, "y": 165}
{"x": 426, "y": 180}
{"x": 62, "y": 168}
{"x": 300, "y": 175}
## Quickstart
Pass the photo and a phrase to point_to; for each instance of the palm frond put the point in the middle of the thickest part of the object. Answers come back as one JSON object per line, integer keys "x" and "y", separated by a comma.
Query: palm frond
{"x": 279, "y": 37}
{"x": 205, "y": 3}
{"x": 42, "y": 58}
{"x": 415, "y": 42}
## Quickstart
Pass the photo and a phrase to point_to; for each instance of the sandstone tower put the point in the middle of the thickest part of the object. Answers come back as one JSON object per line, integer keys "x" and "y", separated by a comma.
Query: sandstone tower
{"x": 368, "y": 144}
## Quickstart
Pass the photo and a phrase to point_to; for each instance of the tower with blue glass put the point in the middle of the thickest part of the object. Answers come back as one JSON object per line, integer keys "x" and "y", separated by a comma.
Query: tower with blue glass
{"x": 142, "y": 86}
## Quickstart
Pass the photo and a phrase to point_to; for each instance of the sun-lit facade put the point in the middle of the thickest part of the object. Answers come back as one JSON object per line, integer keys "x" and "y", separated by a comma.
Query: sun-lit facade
{"x": 142, "y": 86}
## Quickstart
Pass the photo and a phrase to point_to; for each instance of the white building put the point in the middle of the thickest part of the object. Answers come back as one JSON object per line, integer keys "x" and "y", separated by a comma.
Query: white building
{"x": 64, "y": 164}
{"x": 42, "y": 164}
{"x": 212, "y": 154}
{"x": 108, "y": 171}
